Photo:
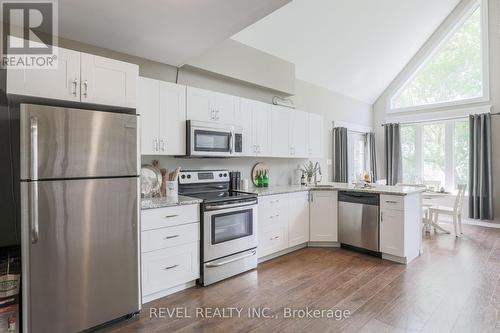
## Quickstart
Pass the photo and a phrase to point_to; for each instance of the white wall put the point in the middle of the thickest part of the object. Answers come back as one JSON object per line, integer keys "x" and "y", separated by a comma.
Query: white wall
{"x": 381, "y": 105}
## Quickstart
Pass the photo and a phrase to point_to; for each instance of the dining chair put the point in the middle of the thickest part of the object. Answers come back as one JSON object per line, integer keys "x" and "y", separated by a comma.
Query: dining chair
{"x": 455, "y": 211}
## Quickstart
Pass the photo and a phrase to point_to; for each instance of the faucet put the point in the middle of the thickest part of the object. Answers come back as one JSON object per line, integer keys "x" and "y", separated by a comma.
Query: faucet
{"x": 317, "y": 169}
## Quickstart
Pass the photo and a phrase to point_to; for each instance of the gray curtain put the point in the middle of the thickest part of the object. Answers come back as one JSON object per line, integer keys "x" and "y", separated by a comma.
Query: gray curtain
{"x": 480, "y": 178}
{"x": 340, "y": 170}
{"x": 393, "y": 158}
{"x": 372, "y": 154}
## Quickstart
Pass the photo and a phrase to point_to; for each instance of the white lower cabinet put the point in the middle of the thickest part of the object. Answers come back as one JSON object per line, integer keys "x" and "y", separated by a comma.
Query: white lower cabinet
{"x": 170, "y": 250}
{"x": 283, "y": 222}
{"x": 298, "y": 222}
{"x": 392, "y": 232}
{"x": 323, "y": 225}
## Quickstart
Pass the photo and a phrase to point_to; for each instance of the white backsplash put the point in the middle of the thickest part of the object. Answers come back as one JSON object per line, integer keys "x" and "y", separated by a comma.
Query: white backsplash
{"x": 282, "y": 171}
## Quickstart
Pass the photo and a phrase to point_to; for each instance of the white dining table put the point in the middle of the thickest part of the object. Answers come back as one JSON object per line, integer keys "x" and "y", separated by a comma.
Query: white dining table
{"x": 428, "y": 198}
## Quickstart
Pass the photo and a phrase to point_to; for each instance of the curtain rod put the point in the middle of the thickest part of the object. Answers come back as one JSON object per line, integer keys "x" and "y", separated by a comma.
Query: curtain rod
{"x": 434, "y": 120}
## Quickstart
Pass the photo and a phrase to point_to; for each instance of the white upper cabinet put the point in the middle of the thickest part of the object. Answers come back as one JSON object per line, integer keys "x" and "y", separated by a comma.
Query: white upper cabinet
{"x": 206, "y": 105}
{"x": 279, "y": 134}
{"x": 107, "y": 81}
{"x": 162, "y": 106}
{"x": 315, "y": 136}
{"x": 62, "y": 83}
{"x": 172, "y": 118}
{"x": 323, "y": 216}
{"x": 261, "y": 128}
{"x": 244, "y": 118}
{"x": 298, "y": 221}
{"x": 79, "y": 77}
{"x": 148, "y": 107}
{"x": 298, "y": 133}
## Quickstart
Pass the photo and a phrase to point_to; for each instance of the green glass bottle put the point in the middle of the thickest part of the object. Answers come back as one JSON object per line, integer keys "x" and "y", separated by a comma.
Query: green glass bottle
{"x": 258, "y": 179}
{"x": 265, "y": 179}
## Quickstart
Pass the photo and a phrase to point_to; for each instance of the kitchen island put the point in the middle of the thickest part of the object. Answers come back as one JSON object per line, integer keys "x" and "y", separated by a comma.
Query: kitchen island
{"x": 398, "y": 218}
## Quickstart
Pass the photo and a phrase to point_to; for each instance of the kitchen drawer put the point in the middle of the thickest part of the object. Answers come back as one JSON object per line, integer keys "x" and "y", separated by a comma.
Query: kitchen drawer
{"x": 169, "y": 216}
{"x": 395, "y": 202}
{"x": 163, "y": 269}
{"x": 272, "y": 240}
{"x": 167, "y": 237}
{"x": 277, "y": 202}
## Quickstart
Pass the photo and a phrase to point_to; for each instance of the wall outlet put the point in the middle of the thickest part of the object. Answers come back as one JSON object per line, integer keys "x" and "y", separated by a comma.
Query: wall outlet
{"x": 329, "y": 162}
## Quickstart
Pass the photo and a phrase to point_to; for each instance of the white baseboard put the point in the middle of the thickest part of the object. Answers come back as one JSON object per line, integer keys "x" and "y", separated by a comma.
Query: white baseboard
{"x": 323, "y": 244}
{"x": 282, "y": 252}
{"x": 166, "y": 292}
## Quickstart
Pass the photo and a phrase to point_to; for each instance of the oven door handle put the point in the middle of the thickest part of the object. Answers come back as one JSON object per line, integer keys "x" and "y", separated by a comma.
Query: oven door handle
{"x": 240, "y": 204}
{"x": 221, "y": 263}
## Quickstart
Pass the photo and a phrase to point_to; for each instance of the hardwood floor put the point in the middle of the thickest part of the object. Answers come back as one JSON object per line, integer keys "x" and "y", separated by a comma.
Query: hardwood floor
{"x": 453, "y": 287}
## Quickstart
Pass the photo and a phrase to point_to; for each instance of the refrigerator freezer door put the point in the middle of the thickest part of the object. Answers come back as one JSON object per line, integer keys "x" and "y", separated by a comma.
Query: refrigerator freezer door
{"x": 84, "y": 266}
{"x": 74, "y": 143}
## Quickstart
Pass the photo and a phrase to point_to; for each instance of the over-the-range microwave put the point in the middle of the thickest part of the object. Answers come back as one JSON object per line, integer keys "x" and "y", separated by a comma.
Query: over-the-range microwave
{"x": 206, "y": 139}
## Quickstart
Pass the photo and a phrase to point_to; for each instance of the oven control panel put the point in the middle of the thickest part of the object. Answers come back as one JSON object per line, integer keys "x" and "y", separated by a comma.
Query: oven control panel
{"x": 203, "y": 176}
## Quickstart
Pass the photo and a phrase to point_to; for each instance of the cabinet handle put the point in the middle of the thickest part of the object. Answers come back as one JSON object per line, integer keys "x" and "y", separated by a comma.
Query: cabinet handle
{"x": 86, "y": 86}
{"x": 213, "y": 115}
{"x": 75, "y": 86}
{"x": 275, "y": 201}
{"x": 217, "y": 115}
{"x": 273, "y": 238}
{"x": 311, "y": 196}
{"x": 391, "y": 201}
{"x": 274, "y": 216}
{"x": 170, "y": 216}
{"x": 162, "y": 145}
{"x": 381, "y": 216}
{"x": 170, "y": 237}
{"x": 170, "y": 267}
{"x": 155, "y": 145}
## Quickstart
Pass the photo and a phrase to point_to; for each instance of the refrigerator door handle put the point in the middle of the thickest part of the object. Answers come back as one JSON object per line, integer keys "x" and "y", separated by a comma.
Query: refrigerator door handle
{"x": 34, "y": 212}
{"x": 34, "y": 178}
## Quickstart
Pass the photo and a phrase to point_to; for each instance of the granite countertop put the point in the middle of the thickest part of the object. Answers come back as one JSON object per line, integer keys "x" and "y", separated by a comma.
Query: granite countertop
{"x": 151, "y": 203}
{"x": 381, "y": 189}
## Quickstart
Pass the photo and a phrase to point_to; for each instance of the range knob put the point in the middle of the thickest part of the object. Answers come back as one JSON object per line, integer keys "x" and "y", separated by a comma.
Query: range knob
{"x": 225, "y": 175}
{"x": 220, "y": 175}
{"x": 183, "y": 176}
{"x": 189, "y": 176}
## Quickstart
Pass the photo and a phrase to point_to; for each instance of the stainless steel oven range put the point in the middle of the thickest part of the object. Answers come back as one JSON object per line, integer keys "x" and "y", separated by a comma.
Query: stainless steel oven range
{"x": 229, "y": 224}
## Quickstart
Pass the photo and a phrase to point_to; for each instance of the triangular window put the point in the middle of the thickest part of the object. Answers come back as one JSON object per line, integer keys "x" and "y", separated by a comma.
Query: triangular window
{"x": 452, "y": 73}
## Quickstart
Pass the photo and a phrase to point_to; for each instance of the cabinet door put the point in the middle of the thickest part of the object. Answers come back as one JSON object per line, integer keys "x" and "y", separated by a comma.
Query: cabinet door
{"x": 62, "y": 83}
{"x": 298, "y": 220}
{"x": 261, "y": 128}
{"x": 280, "y": 146}
{"x": 108, "y": 81}
{"x": 392, "y": 232}
{"x": 172, "y": 118}
{"x": 315, "y": 136}
{"x": 244, "y": 116}
{"x": 148, "y": 108}
{"x": 323, "y": 216}
{"x": 225, "y": 108}
{"x": 200, "y": 104}
{"x": 298, "y": 133}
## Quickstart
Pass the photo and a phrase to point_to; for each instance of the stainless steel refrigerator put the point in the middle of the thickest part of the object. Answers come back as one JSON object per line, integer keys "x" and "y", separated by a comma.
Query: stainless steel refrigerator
{"x": 79, "y": 217}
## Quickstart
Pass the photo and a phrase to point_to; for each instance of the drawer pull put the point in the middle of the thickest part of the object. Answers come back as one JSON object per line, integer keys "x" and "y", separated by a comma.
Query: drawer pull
{"x": 171, "y": 216}
{"x": 274, "y": 216}
{"x": 170, "y": 267}
{"x": 170, "y": 237}
{"x": 274, "y": 201}
{"x": 276, "y": 237}
{"x": 391, "y": 201}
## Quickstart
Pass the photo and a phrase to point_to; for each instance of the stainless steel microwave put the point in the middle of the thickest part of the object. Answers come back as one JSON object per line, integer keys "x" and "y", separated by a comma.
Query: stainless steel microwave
{"x": 206, "y": 139}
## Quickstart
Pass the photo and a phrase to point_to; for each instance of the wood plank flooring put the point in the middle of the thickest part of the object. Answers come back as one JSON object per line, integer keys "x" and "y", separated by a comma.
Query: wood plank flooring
{"x": 453, "y": 287}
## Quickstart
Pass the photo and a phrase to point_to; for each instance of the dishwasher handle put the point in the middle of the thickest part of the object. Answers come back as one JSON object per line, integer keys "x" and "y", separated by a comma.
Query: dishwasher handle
{"x": 372, "y": 199}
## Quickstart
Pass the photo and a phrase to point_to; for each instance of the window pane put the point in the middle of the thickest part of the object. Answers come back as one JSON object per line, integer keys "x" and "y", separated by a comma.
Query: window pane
{"x": 453, "y": 73}
{"x": 434, "y": 154}
{"x": 359, "y": 155}
{"x": 408, "y": 145}
{"x": 461, "y": 152}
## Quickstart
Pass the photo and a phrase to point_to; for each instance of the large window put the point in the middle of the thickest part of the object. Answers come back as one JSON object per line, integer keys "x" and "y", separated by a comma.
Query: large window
{"x": 356, "y": 155}
{"x": 453, "y": 73}
{"x": 436, "y": 154}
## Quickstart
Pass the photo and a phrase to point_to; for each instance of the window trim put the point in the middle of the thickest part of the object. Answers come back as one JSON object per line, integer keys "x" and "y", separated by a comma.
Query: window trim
{"x": 435, "y": 47}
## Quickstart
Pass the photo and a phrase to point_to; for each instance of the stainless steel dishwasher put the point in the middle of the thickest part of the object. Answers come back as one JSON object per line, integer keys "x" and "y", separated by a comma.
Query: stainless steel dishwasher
{"x": 359, "y": 220}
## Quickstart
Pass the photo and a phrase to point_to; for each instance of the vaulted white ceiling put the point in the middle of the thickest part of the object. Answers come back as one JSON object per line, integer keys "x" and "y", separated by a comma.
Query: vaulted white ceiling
{"x": 168, "y": 31}
{"x": 354, "y": 47}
